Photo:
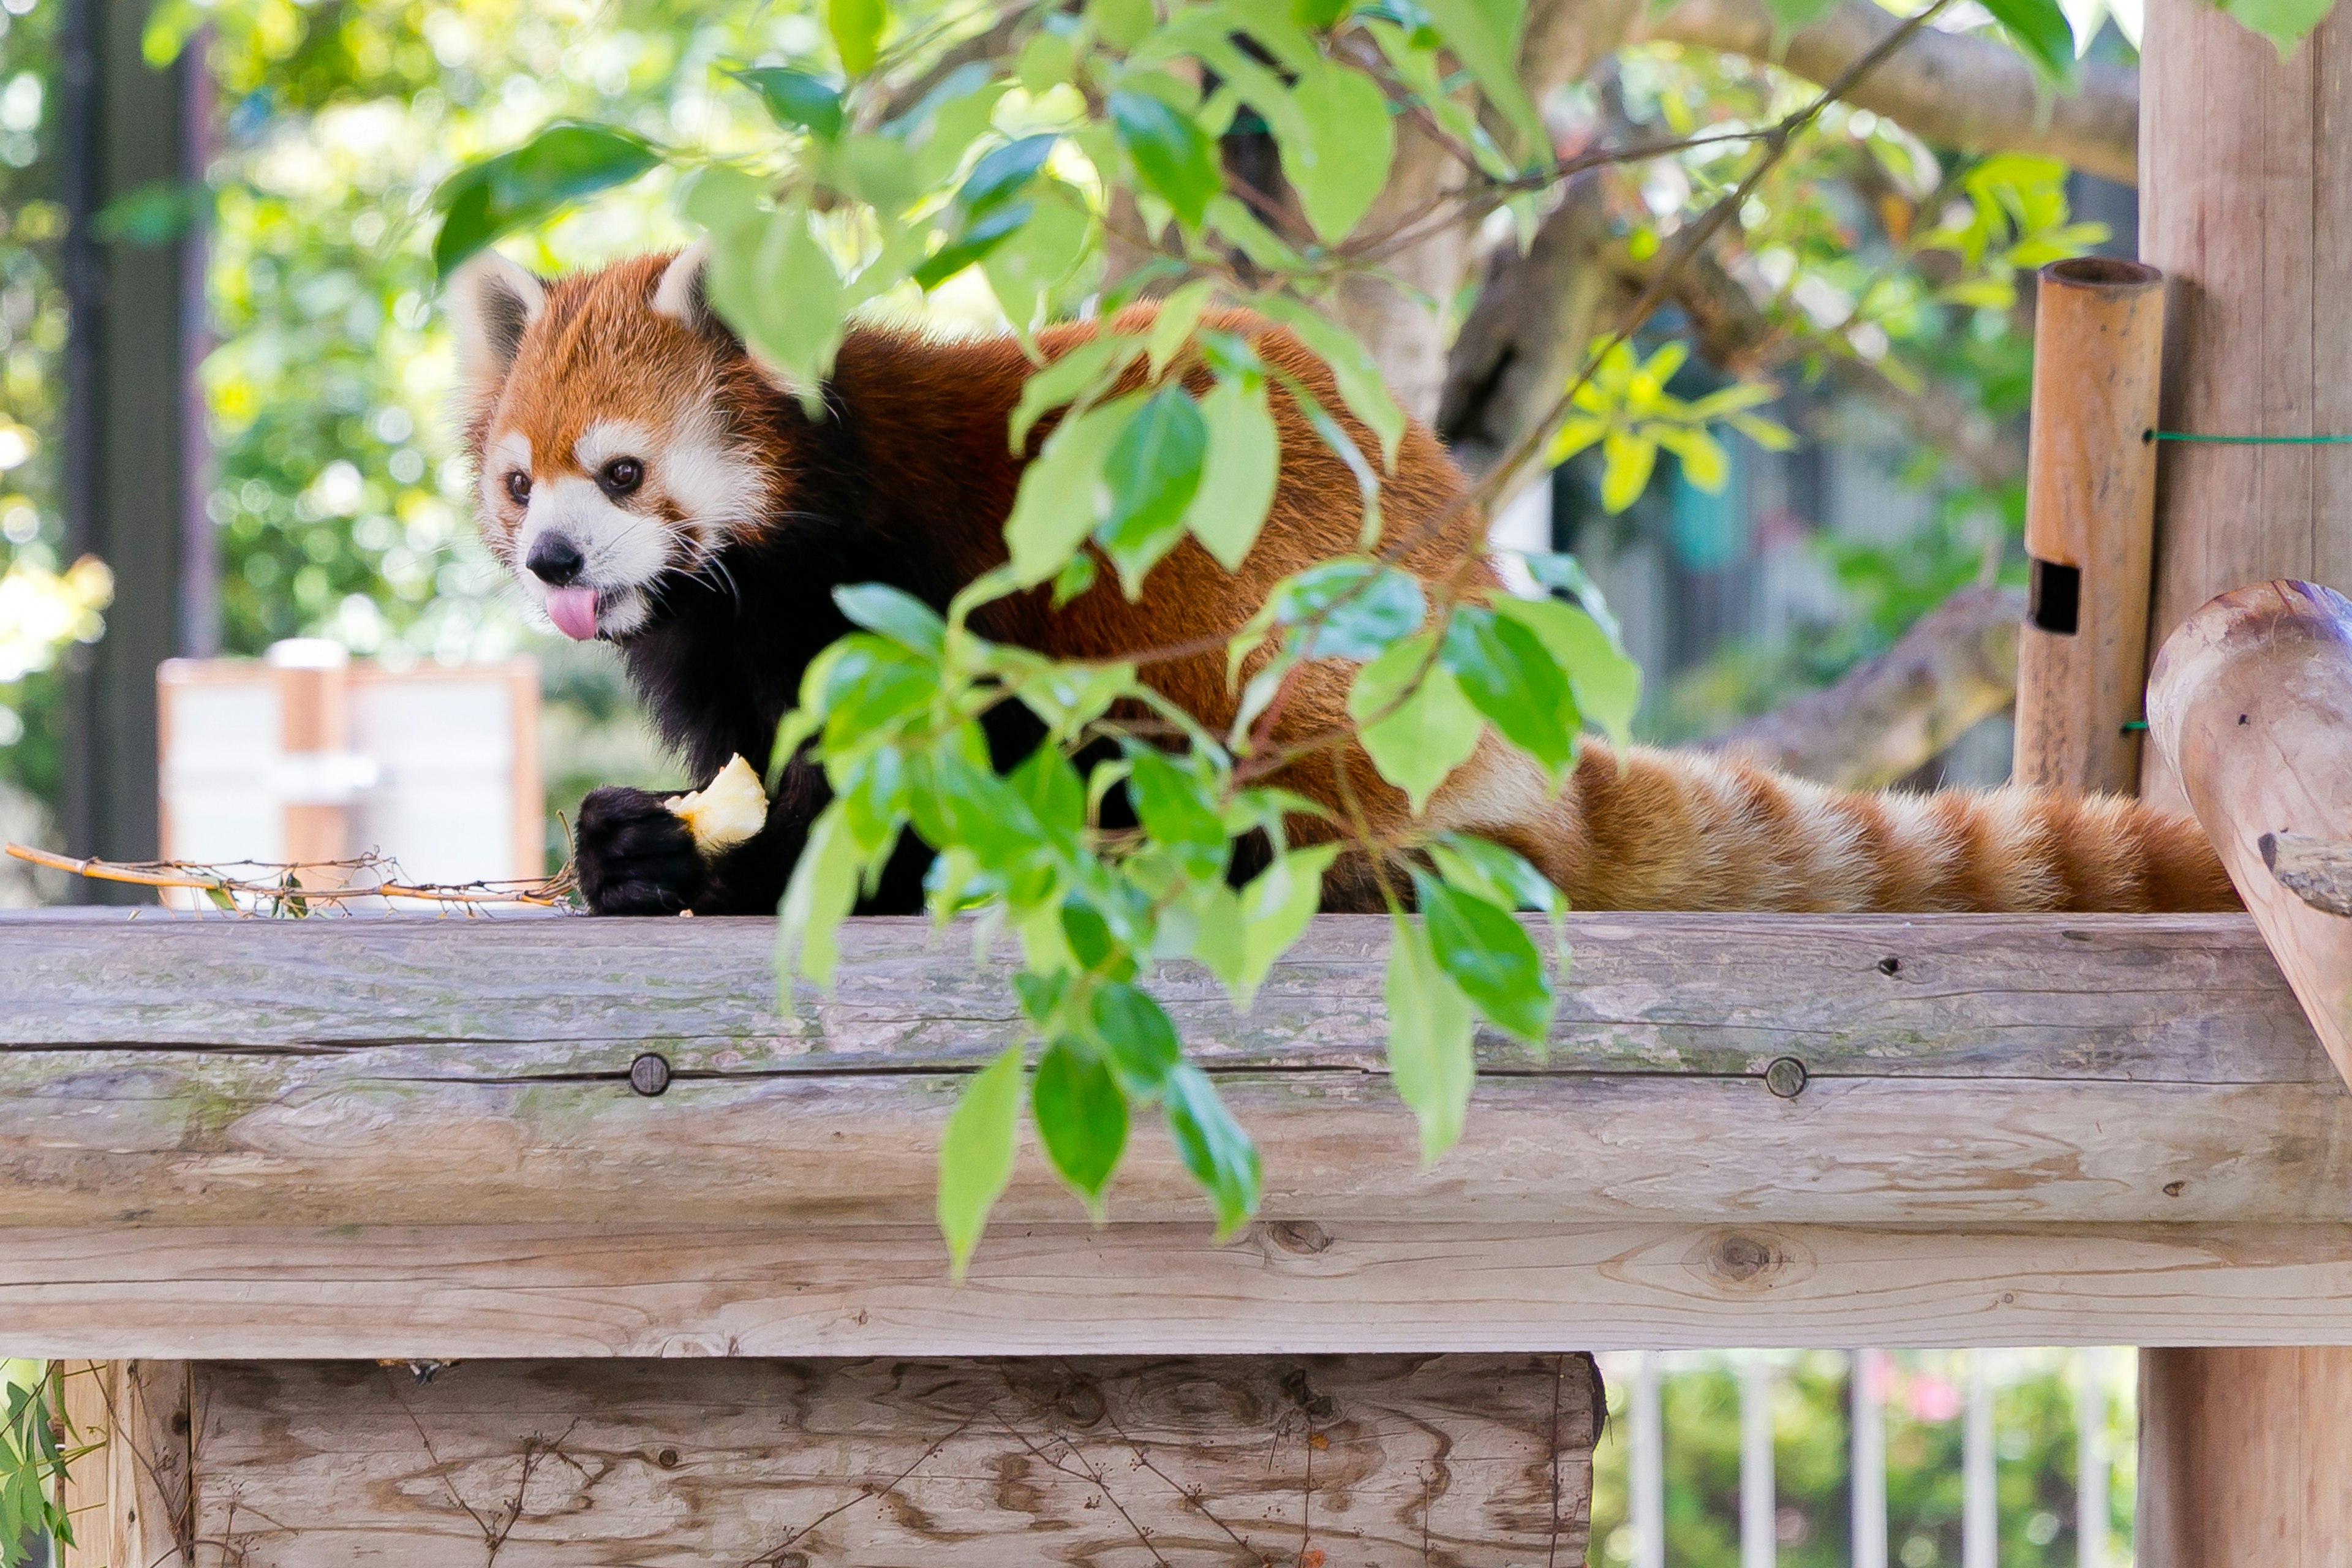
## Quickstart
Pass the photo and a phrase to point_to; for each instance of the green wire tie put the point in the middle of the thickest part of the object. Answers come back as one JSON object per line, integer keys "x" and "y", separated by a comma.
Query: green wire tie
{"x": 2148, "y": 436}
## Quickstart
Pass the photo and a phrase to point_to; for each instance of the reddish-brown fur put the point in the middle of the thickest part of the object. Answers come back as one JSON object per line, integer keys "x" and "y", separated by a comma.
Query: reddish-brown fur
{"x": 1650, "y": 830}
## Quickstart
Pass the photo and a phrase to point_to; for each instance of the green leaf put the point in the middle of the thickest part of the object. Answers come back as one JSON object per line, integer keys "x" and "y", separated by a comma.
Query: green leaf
{"x": 1237, "y": 482}
{"x": 1606, "y": 681}
{"x": 1213, "y": 1146}
{"x": 1489, "y": 955}
{"x": 856, "y": 29}
{"x": 822, "y": 892}
{"x": 1488, "y": 870}
{"x": 1174, "y": 158}
{"x": 564, "y": 162}
{"x": 1121, "y": 24}
{"x": 1429, "y": 1039}
{"x": 1178, "y": 810}
{"x": 1173, "y": 327}
{"x": 2284, "y": 23}
{"x": 1485, "y": 35}
{"x": 1361, "y": 385}
{"x": 1511, "y": 677}
{"x": 796, "y": 100}
{"x": 1274, "y": 910}
{"x": 1412, "y": 718}
{"x": 1056, "y": 505}
{"x": 976, "y": 242}
{"x": 1626, "y": 462}
{"x": 1051, "y": 787}
{"x": 1340, "y": 163}
{"x": 1081, "y": 1117}
{"x": 1004, "y": 173}
{"x": 1154, "y": 471}
{"x": 895, "y": 614}
{"x": 775, "y": 284}
{"x": 976, "y": 1154}
{"x": 1062, "y": 382}
{"x": 1138, "y": 1039}
{"x": 2039, "y": 30}
{"x": 1564, "y": 573}
{"x": 1363, "y": 605}
{"x": 1038, "y": 257}
{"x": 1787, "y": 16}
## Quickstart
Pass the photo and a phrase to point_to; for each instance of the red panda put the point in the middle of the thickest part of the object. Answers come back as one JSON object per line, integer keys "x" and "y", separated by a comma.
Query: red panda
{"x": 650, "y": 484}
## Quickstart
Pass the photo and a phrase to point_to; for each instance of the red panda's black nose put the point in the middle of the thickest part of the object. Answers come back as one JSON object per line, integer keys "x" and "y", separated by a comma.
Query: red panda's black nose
{"x": 555, "y": 561}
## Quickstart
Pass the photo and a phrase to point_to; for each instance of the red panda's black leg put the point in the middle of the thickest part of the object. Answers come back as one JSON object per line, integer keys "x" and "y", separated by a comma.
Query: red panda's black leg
{"x": 635, "y": 855}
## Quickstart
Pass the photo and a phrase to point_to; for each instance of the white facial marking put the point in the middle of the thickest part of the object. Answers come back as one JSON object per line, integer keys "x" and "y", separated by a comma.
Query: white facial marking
{"x": 721, "y": 490}
{"x": 609, "y": 438}
{"x": 624, "y": 552}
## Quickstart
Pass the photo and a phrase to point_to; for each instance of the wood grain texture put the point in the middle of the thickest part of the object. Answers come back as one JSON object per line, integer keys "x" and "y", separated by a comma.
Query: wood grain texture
{"x": 2252, "y": 707}
{"x": 2098, "y": 340}
{"x": 1368, "y": 1460}
{"x": 132, "y": 1498}
{"x": 1293, "y": 1286}
{"x": 2243, "y": 1455}
{"x": 2122, "y": 1070}
{"x": 2246, "y": 205}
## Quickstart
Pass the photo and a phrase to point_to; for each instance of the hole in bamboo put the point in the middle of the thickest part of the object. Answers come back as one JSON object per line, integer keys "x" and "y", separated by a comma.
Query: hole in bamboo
{"x": 2056, "y": 597}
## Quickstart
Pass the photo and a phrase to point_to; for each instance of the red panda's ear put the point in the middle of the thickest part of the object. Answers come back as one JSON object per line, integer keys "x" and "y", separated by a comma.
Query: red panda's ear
{"x": 678, "y": 295}
{"x": 492, "y": 302}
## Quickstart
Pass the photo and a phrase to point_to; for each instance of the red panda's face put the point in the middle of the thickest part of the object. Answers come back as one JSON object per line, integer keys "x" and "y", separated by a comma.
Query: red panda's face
{"x": 609, "y": 454}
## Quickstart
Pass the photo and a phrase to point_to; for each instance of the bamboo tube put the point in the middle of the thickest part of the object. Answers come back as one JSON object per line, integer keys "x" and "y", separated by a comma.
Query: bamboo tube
{"x": 2090, "y": 510}
{"x": 2251, "y": 706}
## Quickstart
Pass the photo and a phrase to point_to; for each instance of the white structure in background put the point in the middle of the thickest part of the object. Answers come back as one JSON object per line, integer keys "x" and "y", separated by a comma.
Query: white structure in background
{"x": 1647, "y": 1471}
{"x": 1521, "y": 527}
{"x": 1759, "y": 1543}
{"x": 1647, "y": 1438}
{"x": 1868, "y": 1459}
{"x": 1979, "y": 1507}
{"x": 304, "y": 755}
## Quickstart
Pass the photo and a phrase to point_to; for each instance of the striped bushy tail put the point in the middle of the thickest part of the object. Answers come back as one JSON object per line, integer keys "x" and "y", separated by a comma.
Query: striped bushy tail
{"x": 1677, "y": 830}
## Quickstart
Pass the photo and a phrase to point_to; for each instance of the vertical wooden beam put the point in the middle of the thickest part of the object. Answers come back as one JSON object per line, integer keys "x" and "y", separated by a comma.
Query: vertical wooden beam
{"x": 123, "y": 129}
{"x": 2246, "y": 205}
{"x": 2099, "y": 334}
{"x": 2243, "y": 1458}
{"x": 131, "y": 1500}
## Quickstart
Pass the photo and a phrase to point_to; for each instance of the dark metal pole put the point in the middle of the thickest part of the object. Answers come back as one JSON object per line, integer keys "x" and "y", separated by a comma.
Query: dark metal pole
{"x": 129, "y": 435}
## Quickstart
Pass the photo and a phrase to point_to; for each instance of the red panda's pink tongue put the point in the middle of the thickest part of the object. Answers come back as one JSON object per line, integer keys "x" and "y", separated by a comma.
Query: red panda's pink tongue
{"x": 573, "y": 611}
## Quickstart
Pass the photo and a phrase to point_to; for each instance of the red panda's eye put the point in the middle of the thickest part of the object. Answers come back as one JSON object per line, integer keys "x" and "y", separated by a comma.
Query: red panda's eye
{"x": 519, "y": 487}
{"x": 620, "y": 475}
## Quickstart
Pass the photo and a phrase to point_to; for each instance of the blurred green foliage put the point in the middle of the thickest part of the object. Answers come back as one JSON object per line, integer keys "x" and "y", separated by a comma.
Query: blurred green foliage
{"x": 2035, "y": 1443}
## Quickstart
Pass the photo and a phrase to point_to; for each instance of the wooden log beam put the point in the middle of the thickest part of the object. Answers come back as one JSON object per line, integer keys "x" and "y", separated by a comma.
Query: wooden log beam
{"x": 2251, "y": 706}
{"x": 624, "y": 1289}
{"x": 1932, "y": 1070}
{"x": 1472, "y": 1461}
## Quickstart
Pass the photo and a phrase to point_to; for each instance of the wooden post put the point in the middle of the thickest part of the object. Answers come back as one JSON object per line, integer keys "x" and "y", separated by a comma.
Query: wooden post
{"x": 2246, "y": 204}
{"x": 315, "y": 719}
{"x": 2089, "y": 512}
{"x": 132, "y": 1498}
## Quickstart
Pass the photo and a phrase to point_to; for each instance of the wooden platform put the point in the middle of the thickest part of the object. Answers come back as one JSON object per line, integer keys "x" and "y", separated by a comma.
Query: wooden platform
{"x": 417, "y": 1138}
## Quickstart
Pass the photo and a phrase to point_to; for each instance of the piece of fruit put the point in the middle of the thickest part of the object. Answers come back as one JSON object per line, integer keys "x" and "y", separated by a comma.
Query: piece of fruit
{"x": 725, "y": 812}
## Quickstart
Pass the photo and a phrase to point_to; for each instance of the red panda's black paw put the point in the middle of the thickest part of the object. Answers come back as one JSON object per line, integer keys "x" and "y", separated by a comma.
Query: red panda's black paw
{"x": 633, "y": 855}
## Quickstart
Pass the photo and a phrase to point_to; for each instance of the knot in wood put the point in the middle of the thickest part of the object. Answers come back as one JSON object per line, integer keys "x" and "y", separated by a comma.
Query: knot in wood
{"x": 1742, "y": 1259}
{"x": 649, "y": 1073}
{"x": 1785, "y": 1077}
{"x": 1301, "y": 1237}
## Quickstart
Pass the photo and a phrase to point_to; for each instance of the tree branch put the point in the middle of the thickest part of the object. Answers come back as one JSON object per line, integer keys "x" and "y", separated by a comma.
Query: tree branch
{"x": 1528, "y": 330}
{"x": 1956, "y": 666}
{"x": 1950, "y": 89}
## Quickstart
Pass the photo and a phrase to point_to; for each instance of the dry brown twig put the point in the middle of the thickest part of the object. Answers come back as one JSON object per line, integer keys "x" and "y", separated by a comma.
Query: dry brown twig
{"x": 294, "y": 888}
